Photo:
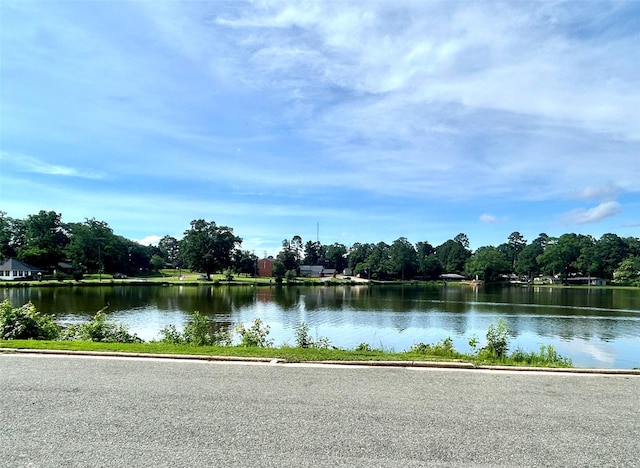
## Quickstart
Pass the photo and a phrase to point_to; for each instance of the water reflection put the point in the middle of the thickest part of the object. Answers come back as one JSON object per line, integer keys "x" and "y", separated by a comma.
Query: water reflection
{"x": 595, "y": 327}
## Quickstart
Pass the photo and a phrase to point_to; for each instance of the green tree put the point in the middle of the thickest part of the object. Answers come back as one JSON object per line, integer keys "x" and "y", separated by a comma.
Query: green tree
{"x": 633, "y": 245}
{"x": 402, "y": 258}
{"x": 287, "y": 255}
{"x": 90, "y": 244}
{"x": 7, "y": 236}
{"x": 628, "y": 270}
{"x": 313, "y": 253}
{"x": 157, "y": 262}
{"x": 527, "y": 263}
{"x": 515, "y": 244}
{"x": 45, "y": 239}
{"x": 463, "y": 240}
{"x": 207, "y": 247}
{"x": 170, "y": 250}
{"x": 335, "y": 256}
{"x": 428, "y": 264}
{"x": 297, "y": 248}
{"x": 452, "y": 256}
{"x": 562, "y": 256}
{"x": 279, "y": 270}
{"x": 488, "y": 263}
{"x": 603, "y": 257}
{"x": 378, "y": 261}
{"x": 358, "y": 254}
{"x": 247, "y": 263}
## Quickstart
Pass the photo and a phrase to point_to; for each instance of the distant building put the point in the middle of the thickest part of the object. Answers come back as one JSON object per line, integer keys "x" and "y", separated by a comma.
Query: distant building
{"x": 452, "y": 277}
{"x": 13, "y": 269}
{"x": 265, "y": 267}
{"x": 547, "y": 280}
{"x": 589, "y": 280}
{"x": 311, "y": 271}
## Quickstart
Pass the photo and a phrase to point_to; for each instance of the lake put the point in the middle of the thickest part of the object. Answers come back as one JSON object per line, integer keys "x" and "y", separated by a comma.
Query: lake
{"x": 595, "y": 327}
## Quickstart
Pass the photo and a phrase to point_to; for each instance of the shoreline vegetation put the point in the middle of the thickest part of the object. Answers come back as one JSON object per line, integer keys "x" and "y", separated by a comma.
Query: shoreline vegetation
{"x": 26, "y": 328}
{"x": 170, "y": 278}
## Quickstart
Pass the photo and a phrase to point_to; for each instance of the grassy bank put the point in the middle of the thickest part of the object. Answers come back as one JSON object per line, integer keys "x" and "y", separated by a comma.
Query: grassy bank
{"x": 172, "y": 278}
{"x": 285, "y": 353}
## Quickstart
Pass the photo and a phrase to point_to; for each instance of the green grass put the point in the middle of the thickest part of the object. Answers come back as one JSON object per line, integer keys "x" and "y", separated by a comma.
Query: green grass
{"x": 289, "y": 354}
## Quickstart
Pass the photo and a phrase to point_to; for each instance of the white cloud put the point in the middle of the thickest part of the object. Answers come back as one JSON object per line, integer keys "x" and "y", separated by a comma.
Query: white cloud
{"x": 607, "y": 192}
{"x": 592, "y": 215}
{"x": 487, "y": 219}
{"x": 149, "y": 240}
{"x": 25, "y": 163}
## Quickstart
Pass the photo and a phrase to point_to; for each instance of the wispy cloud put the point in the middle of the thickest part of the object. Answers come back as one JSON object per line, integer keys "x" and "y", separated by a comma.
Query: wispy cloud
{"x": 607, "y": 192}
{"x": 488, "y": 219}
{"x": 25, "y": 163}
{"x": 592, "y": 215}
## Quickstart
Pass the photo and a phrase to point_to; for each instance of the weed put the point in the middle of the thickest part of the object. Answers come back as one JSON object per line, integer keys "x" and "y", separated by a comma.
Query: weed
{"x": 101, "y": 330}
{"x": 305, "y": 340}
{"x": 473, "y": 344}
{"x": 199, "y": 331}
{"x": 26, "y": 322}
{"x": 548, "y": 356}
{"x": 497, "y": 339}
{"x": 442, "y": 348}
{"x": 255, "y": 335}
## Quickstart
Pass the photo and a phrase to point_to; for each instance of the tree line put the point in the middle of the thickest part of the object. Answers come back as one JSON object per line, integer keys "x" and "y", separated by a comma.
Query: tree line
{"x": 44, "y": 240}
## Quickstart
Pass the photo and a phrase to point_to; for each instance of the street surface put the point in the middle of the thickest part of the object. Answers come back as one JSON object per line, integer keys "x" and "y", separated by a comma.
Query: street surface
{"x": 109, "y": 412}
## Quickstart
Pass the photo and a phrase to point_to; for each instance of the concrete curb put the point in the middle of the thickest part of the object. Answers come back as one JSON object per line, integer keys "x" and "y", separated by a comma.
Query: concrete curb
{"x": 400, "y": 364}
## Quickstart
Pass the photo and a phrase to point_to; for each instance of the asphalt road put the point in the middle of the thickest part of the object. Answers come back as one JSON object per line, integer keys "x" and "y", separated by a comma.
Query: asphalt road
{"x": 97, "y": 412}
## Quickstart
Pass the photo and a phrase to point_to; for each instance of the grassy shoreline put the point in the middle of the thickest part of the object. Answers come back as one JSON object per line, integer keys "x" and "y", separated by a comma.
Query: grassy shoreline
{"x": 283, "y": 353}
{"x": 192, "y": 280}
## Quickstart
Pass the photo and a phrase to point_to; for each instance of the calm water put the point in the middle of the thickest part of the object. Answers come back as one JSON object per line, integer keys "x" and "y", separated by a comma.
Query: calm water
{"x": 594, "y": 327}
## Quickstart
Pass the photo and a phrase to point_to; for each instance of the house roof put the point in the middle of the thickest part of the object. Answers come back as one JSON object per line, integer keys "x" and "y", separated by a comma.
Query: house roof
{"x": 13, "y": 264}
{"x": 452, "y": 276}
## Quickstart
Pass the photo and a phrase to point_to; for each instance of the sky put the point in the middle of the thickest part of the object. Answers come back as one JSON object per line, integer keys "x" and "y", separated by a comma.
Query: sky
{"x": 338, "y": 121}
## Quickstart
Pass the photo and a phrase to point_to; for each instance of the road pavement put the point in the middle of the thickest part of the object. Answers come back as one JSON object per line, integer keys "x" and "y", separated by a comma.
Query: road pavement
{"x": 107, "y": 412}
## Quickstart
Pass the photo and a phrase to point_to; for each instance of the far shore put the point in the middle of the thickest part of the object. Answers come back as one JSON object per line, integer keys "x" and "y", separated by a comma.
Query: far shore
{"x": 194, "y": 280}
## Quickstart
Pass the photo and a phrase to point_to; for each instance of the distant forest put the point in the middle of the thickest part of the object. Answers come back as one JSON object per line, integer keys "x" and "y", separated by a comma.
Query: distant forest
{"x": 44, "y": 241}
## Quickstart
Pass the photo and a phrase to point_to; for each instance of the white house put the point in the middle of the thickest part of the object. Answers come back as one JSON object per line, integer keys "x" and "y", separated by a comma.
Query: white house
{"x": 13, "y": 269}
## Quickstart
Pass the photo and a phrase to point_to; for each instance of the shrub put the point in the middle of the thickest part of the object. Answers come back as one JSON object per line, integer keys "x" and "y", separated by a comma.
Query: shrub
{"x": 548, "y": 356}
{"x": 199, "y": 331}
{"x": 364, "y": 347}
{"x": 255, "y": 335}
{"x": 26, "y": 322}
{"x": 101, "y": 330}
{"x": 290, "y": 276}
{"x": 170, "y": 334}
{"x": 442, "y": 348}
{"x": 60, "y": 276}
{"x": 305, "y": 340}
{"x": 497, "y": 339}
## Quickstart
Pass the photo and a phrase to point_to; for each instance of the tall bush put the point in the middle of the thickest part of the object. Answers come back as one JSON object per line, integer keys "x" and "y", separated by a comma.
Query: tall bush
{"x": 498, "y": 339}
{"x": 26, "y": 322}
{"x": 198, "y": 331}
{"x": 255, "y": 335}
{"x": 102, "y": 330}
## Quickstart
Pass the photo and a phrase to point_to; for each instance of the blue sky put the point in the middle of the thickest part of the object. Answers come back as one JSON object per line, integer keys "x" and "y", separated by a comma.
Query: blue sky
{"x": 371, "y": 120}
